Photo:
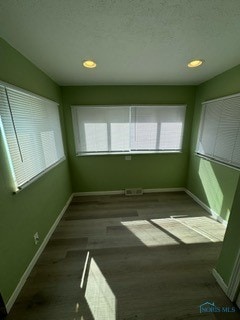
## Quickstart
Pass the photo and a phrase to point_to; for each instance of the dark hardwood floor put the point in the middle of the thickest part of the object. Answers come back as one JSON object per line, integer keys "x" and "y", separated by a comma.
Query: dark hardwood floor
{"x": 144, "y": 257}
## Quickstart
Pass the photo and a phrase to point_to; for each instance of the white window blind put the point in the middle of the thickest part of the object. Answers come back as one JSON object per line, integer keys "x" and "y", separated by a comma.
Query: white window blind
{"x": 219, "y": 135}
{"x": 101, "y": 129}
{"x": 128, "y": 129}
{"x": 33, "y": 134}
{"x": 157, "y": 127}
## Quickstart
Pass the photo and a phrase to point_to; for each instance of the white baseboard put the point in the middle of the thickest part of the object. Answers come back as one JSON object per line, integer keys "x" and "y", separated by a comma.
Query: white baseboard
{"x": 209, "y": 210}
{"x": 97, "y": 193}
{"x": 220, "y": 281}
{"x": 116, "y": 192}
{"x": 158, "y": 190}
{"x": 35, "y": 258}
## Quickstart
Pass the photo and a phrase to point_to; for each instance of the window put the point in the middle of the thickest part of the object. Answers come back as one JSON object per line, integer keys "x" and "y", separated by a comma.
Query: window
{"x": 128, "y": 129}
{"x": 219, "y": 135}
{"x": 31, "y": 129}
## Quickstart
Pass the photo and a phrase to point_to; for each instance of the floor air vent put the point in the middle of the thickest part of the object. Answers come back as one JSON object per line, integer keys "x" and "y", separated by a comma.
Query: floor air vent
{"x": 133, "y": 192}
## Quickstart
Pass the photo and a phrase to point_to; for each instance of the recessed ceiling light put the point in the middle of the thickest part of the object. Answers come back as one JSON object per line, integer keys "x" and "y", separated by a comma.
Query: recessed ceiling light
{"x": 195, "y": 63}
{"x": 89, "y": 64}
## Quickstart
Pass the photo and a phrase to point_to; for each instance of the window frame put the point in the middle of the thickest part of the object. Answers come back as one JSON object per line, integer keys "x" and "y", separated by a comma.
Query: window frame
{"x": 16, "y": 187}
{"x": 200, "y": 130}
{"x": 130, "y": 152}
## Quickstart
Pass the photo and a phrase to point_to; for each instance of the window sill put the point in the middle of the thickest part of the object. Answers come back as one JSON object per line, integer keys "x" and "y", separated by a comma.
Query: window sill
{"x": 231, "y": 166}
{"x": 126, "y": 153}
{"x": 26, "y": 184}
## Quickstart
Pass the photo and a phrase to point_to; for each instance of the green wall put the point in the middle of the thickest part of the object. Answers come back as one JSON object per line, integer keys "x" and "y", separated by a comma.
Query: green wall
{"x": 36, "y": 207}
{"x": 113, "y": 172}
{"x": 213, "y": 183}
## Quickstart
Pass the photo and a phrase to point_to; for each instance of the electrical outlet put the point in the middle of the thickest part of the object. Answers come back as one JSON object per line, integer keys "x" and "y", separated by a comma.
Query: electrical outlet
{"x": 36, "y": 238}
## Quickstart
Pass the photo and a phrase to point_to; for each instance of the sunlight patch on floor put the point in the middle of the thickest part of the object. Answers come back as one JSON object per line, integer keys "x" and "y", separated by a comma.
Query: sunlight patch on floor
{"x": 99, "y": 296}
{"x": 206, "y": 226}
{"x": 193, "y": 229}
{"x": 176, "y": 230}
{"x": 148, "y": 234}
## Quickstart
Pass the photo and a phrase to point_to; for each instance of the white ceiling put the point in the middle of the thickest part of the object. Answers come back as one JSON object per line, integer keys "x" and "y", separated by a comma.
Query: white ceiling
{"x": 132, "y": 41}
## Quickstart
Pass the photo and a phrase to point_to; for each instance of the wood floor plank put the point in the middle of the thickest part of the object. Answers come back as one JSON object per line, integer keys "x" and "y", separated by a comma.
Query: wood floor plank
{"x": 99, "y": 214}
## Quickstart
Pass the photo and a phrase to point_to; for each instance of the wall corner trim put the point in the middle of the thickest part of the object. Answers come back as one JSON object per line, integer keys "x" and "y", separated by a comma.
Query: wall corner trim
{"x": 214, "y": 215}
{"x": 234, "y": 281}
{"x": 220, "y": 281}
{"x": 24, "y": 277}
